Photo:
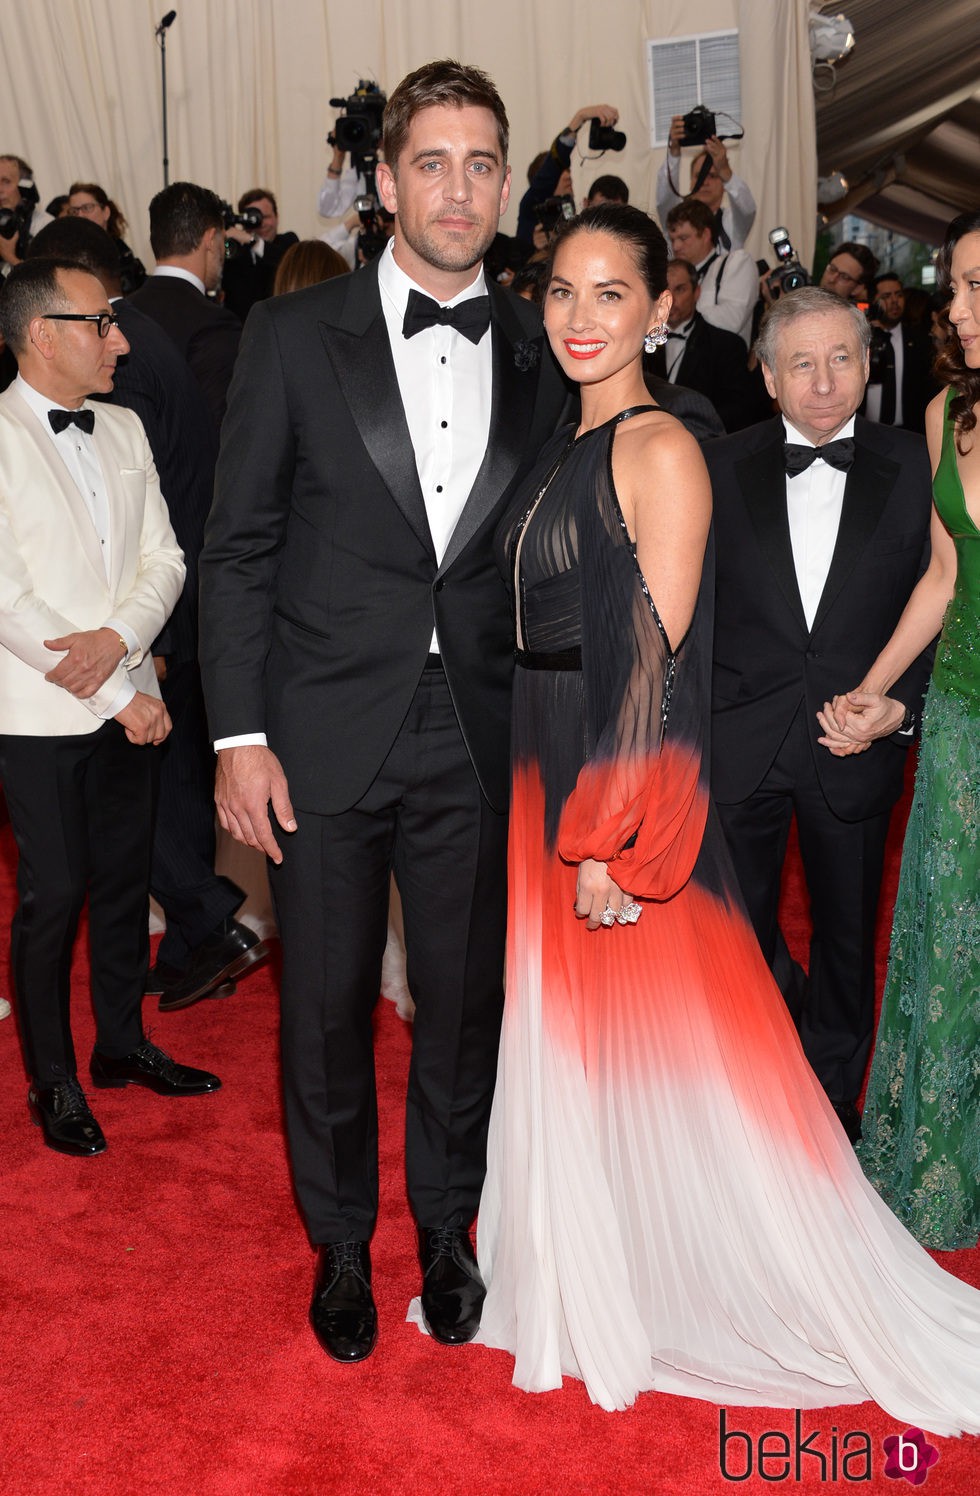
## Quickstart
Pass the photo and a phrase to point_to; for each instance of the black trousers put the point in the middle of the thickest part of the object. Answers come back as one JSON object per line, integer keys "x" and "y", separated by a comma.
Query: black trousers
{"x": 81, "y": 811}
{"x": 426, "y": 816}
{"x": 842, "y": 862}
{"x": 194, "y": 898}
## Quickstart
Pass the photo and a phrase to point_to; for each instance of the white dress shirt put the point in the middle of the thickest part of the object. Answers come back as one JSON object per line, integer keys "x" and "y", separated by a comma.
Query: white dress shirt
{"x": 76, "y": 449}
{"x": 676, "y": 347}
{"x": 177, "y": 272}
{"x": 729, "y": 291}
{"x": 446, "y": 386}
{"x": 872, "y": 408}
{"x": 737, "y": 204}
{"x": 814, "y": 500}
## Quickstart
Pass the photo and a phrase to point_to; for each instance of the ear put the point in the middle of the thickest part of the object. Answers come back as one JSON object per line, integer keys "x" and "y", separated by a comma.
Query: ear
{"x": 696, "y": 292}
{"x": 770, "y": 381}
{"x": 664, "y": 305}
{"x": 505, "y": 189}
{"x": 384, "y": 180}
{"x": 41, "y": 335}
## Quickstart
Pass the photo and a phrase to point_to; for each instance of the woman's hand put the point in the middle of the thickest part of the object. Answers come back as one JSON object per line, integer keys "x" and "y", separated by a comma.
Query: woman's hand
{"x": 595, "y": 892}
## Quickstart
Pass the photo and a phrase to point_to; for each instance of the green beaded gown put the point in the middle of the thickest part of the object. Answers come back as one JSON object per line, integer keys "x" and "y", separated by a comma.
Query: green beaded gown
{"x": 921, "y": 1146}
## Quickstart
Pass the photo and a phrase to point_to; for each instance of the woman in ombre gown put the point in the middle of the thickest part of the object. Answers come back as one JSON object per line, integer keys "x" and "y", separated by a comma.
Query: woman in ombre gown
{"x": 670, "y": 1202}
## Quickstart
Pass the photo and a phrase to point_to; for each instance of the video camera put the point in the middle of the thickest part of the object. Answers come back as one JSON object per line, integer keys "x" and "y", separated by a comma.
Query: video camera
{"x": 250, "y": 218}
{"x": 15, "y": 223}
{"x": 789, "y": 274}
{"x": 358, "y": 130}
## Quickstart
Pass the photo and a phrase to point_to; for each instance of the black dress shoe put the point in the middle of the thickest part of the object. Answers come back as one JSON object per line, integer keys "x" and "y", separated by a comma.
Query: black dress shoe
{"x": 342, "y": 1312}
{"x": 151, "y": 1067}
{"x": 849, "y": 1118}
{"x": 227, "y": 953}
{"x": 452, "y": 1288}
{"x": 63, "y": 1115}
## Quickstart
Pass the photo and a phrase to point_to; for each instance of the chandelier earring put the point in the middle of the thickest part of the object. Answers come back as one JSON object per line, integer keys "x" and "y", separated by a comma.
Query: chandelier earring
{"x": 655, "y": 338}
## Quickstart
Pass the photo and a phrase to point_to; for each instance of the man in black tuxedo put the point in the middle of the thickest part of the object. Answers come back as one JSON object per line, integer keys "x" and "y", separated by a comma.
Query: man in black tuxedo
{"x": 357, "y": 651}
{"x": 701, "y": 357}
{"x": 822, "y": 524}
{"x": 188, "y": 238}
{"x": 901, "y": 383}
{"x": 250, "y": 272}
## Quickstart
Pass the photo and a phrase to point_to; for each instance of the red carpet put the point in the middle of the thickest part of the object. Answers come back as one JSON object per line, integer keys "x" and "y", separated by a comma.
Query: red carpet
{"x": 154, "y": 1320}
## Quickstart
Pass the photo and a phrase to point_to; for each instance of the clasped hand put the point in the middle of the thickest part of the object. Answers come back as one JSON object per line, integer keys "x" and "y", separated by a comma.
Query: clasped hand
{"x": 90, "y": 658}
{"x": 595, "y": 892}
{"x": 853, "y": 721}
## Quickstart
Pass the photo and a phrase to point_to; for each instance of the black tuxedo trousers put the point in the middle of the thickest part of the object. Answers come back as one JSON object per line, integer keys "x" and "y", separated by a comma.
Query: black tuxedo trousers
{"x": 320, "y": 589}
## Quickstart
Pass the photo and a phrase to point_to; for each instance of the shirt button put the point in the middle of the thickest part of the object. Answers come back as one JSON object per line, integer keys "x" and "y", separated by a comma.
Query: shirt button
{"x": 443, "y": 359}
{"x": 438, "y": 488}
{"x": 443, "y": 424}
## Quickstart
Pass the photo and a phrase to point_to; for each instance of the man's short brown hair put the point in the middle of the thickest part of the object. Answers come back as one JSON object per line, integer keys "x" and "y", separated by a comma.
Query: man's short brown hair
{"x": 444, "y": 82}
{"x": 693, "y": 211}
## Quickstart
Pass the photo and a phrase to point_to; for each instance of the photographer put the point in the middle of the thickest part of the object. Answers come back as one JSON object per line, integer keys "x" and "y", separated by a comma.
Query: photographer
{"x": 729, "y": 198}
{"x": 250, "y": 267}
{"x": 729, "y": 282}
{"x": 546, "y": 179}
{"x": 20, "y": 212}
{"x": 900, "y": 384}
{"x": 340, "y": 187}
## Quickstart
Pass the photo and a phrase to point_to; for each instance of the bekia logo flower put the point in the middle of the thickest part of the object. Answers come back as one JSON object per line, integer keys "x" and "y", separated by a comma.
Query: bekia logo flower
{"x": 910, "y": 1457}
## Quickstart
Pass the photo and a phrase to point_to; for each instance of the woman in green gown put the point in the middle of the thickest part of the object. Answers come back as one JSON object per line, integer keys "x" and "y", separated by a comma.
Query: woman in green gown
{"x": 921, "y": 1125}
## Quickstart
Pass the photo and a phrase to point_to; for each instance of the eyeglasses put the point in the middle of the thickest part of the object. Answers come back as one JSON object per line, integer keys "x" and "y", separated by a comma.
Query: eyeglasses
{"x": 103, "y": 320}
{"x": 837, "y": 274}
{"x": 73, "y": 212}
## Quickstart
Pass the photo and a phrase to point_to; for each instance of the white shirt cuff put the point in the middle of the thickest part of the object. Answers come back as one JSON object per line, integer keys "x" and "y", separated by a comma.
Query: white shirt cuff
{"x": 242, "y": 740}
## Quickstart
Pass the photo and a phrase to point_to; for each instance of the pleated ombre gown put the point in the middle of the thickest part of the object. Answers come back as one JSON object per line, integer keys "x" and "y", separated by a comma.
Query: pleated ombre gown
{"x": 670, "y": 1202}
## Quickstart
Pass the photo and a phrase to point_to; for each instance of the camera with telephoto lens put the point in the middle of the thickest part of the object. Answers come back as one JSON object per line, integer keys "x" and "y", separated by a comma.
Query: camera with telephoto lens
{"x": 249, "y": 219}
{"x": 358, "y": 129}
{"x": 16, "y": 222}
{"x": 789, "y": 274}
{"x": 604, "y": 137}
{"x": 553, "y": 210}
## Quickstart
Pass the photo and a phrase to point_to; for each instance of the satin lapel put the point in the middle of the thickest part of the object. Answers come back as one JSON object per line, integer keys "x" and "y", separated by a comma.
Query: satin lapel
{"x": 61, "y": 482}
{"x": 511, "y": 413}
{"x": 762, "y": 479}
{"x": 360, "y": 354}
{"x": 869, "y": 484}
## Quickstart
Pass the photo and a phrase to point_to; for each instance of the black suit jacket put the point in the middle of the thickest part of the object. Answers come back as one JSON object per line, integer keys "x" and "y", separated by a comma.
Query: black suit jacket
{"x": 155, "y": 382}
{"x": 714, "y": 364}
{"x": 246, "y": 281}
{"x": 319, "y": 582}
{"x": 766, "y": 659}
{"x": 918, "y": 384}
{"x": 206, "y": 334}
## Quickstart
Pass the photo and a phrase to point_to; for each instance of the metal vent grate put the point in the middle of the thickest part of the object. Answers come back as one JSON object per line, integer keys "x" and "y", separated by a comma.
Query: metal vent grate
{"x": 688, "y": 70}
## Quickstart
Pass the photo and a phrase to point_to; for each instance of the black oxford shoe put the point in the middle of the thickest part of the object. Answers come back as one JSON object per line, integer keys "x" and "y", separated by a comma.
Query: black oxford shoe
{"x": 63, "y": 1115}
{"x": 227, "y": 953}
{"x": 343, "y": 1315}
{"x": 452, "y": 1288}
{"x": 151, "y": 1067}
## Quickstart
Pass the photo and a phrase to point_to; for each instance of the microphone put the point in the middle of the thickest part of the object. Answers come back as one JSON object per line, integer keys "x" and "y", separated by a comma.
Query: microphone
{"x": 168, "y": 20}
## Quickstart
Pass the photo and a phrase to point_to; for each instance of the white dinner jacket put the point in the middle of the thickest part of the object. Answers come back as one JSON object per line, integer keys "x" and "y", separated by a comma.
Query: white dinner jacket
{"x": 52, "y": 577}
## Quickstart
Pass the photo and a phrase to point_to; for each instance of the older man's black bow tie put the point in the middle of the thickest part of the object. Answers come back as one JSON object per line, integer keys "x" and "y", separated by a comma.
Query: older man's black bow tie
{"x": 840, "y": 454}
{"x": 471, "y": 317}
{"x": 62, "y": 419}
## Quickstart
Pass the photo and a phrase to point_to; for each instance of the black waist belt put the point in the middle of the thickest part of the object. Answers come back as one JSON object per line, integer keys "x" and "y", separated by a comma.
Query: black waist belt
{"x": 433, "y": 662}
{"x": 562, "y": 659}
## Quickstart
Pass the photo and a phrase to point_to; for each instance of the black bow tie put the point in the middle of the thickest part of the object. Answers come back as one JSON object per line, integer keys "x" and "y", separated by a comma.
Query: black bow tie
{"x": 681, "y": 335}
{"x": 62, "y": 419}
{"x": 839, "y": 454}
{"x": 471, "y": 317}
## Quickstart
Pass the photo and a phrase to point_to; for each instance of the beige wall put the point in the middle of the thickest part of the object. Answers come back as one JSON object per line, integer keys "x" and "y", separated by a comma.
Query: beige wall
{"x": 249, "y": 81}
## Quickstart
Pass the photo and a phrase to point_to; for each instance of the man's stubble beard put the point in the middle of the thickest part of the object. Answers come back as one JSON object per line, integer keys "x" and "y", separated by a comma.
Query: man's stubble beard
{"x": 446, "y": 256}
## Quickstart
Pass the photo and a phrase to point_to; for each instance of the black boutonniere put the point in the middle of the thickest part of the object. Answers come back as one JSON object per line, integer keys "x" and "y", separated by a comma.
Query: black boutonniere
{"x": 527, "y": 354}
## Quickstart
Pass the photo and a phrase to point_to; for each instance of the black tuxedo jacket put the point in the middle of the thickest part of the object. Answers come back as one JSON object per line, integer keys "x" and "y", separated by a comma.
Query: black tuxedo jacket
{"x": 246, "y": 281}
{"x": 206, "y": 334}
{"x": 155, "y": 382}
{"x": 766, "y": 659}
{"x": 714, "y": 364}
{"x": 918, "y": 385}
{"x": 319, "y": 582}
